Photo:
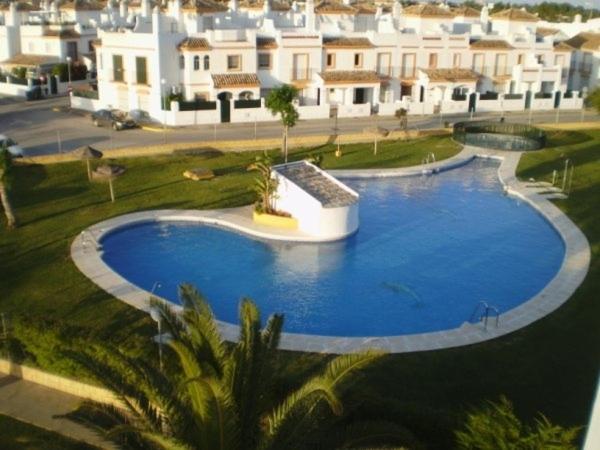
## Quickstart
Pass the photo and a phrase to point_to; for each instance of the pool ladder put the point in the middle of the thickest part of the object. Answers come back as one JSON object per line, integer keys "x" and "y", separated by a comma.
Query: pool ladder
{"x": 483, "y": 309}
{"x": 430, "y": 158}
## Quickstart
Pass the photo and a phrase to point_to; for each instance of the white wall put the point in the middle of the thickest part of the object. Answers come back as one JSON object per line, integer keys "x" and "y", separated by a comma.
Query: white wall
{"x": 87, "y": 104}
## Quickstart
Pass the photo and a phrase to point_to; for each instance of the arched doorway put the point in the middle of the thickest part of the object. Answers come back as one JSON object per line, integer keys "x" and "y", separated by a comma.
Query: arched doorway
{"x": 225, "y": 99}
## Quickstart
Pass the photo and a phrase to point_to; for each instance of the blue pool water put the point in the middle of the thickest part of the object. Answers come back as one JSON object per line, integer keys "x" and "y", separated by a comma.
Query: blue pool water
{"x": 427, "y": 251}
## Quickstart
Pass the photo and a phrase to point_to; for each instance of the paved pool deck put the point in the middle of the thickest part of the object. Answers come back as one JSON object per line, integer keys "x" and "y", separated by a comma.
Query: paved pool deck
{"x": 87, "y": 255}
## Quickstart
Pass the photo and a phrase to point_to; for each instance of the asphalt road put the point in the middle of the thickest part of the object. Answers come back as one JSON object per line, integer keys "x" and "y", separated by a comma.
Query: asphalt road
{"x": 39, "y": 129}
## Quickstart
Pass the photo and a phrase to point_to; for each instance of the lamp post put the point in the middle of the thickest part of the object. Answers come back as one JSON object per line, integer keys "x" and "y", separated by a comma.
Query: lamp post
{"x": 156, "y": 316}
{"x": 163, "y": 93}
{"x": 69, "y": 87}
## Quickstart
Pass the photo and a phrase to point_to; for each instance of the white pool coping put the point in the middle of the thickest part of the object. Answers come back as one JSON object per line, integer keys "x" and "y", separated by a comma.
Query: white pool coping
{"x": 87, "y": 256}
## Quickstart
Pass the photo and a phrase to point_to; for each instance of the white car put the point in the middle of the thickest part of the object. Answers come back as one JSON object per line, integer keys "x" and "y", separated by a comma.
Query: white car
{"x": 13, "y": 148}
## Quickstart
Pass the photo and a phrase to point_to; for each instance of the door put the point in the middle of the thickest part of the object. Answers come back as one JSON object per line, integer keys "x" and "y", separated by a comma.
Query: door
{"x": 557, "y": 97}
{"x": 472, "y": 102}
{"x": 225, "y": 99}
{"x": 527, "y": 99}
{"x": 53, "y": 85}
{"x": 359, "y": 96}
{"x": 72, "y": 50}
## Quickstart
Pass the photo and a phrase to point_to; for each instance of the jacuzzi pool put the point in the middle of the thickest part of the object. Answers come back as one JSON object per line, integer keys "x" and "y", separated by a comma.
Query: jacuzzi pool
{"x": 428, "y": 250}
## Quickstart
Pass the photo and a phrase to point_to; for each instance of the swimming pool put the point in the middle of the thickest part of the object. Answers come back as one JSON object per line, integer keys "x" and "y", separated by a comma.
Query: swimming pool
{"x": 428, "y": 250}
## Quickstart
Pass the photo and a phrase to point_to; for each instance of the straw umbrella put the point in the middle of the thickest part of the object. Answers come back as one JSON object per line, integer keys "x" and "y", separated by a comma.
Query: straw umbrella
{"x": 87, "y": 153}
{"x": 376, "y": 131}
{"x": 108, "y": 173}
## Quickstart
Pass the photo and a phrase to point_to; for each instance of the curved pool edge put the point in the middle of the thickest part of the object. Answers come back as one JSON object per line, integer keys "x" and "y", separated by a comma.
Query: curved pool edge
{"x": 87, "y": 255}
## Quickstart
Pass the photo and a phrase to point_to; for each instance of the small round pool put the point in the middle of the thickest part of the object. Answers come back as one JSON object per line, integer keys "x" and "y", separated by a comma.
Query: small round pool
{"x": 428, "y": 250}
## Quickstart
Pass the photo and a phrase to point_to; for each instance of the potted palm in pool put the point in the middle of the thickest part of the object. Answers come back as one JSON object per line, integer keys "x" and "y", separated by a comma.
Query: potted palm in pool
{"x": 265, "y": 186}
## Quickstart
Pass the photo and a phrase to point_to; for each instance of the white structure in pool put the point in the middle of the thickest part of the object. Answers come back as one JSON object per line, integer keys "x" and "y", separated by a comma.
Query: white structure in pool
{"x": 323, "y": 206}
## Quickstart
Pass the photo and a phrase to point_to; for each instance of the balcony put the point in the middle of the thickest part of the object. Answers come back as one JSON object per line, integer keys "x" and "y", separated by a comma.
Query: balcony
{"x": 302, "y": 74}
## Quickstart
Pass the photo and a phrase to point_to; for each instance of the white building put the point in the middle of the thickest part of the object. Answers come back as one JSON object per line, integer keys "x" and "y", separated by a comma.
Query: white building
{"x": 219, "y": 60}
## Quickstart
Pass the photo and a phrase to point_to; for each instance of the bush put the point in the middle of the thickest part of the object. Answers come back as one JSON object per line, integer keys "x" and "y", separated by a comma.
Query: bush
{"x": 86, "y": 94}
{"x": 78, "y": 71}
{"x": 19, "y": 72}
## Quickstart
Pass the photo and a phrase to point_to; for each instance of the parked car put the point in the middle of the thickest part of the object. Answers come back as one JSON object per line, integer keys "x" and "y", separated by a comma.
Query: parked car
{"x": 113, "y": 118}
{"x": 142, "y": 118}
{"x": 13, "y": 148}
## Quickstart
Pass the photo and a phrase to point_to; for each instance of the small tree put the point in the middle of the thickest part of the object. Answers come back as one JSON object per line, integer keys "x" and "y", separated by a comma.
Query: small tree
{"x": 402, "y": 116}
{"x": 265, "y": 185}
{"x": 19, "y": 72}
{"x": 496, "y": 426}
{"x": 5, "y": 182}
{"x": 280, "y": 101}
{"x": 593, "y": 99}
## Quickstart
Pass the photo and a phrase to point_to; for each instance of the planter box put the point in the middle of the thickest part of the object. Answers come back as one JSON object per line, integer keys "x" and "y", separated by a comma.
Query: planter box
{"x": 271, "y": 220}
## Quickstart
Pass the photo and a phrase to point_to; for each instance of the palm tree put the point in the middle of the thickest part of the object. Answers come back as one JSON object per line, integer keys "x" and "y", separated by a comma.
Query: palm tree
{"x": 215, "y": 395}
{"x": 265, "y": 184}
{"x": 495, "y": 426}
{"x": 5, "y": 181}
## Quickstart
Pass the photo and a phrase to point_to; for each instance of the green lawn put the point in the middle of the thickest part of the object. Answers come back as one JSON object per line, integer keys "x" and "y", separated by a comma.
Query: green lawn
{"x": 551, "y": 366}
{"x": 17, "y": 435}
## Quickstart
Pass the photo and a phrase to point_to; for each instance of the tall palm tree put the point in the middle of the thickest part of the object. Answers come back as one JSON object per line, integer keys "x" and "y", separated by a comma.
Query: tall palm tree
{"x": 5, "y": 180}
{"x": 215, "y": 395}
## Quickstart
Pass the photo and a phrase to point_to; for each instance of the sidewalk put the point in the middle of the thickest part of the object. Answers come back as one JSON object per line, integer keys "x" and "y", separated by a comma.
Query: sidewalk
{"x": 39, "y": 406}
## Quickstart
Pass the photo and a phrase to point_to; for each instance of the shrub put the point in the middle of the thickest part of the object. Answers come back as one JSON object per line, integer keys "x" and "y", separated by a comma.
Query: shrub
{"x": 78, "y": 71}
{"x": 19, "y": 72}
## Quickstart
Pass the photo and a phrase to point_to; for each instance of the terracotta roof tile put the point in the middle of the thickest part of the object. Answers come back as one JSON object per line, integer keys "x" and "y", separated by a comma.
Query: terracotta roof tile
{"x": 21, "y": 6}
{"x": 426, "y": 10}
{"x": 514, "y": 14}
{"x": 266, "y": 43}
{"x": 451, "y": 75}
{"x": 350, "y": 76}
{"x": 344, "y": 42}
{"x": 258, "y": 4}
{"x": 204, "y": 6}
{"x": 492, "y": 44}
{"x": 333, "y": 7}
{"x": 585, "y": 41}
{"x": 30, "y": 60}
{"x": 194, "y": 43}
{"x": 543, "y": 31}
{"x": 465, "y": 11}
{"x": 235, "y": 80}
{"x": 82, "y": 5}
{"x": 62, "y": 34}
{"x": 563, "y": 47}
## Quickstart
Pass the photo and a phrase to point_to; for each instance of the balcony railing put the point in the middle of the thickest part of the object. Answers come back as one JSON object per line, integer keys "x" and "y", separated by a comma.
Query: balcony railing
{"x": 302, "y": 73}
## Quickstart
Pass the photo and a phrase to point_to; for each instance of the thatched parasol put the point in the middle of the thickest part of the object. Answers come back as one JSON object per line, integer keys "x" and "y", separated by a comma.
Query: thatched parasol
{"x": 87, "y": 153}
{"x": 376, "y": 131}
{"x": 108, "y": 173}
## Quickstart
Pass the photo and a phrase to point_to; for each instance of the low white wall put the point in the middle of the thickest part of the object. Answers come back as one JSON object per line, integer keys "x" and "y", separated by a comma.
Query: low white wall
{"x": 542, "y": 103}
{"x": 307, "y": 112}
{"x": 59, "y": 383}
{"x": 389, "y": 109}
{"x": 420, "y": 108}
{"x": 571, "y": 103}
{"x": 361, "y": 110}
{"x": 18, "y": 90}
{"x": 455, "y": 107}
{"x": 488, "y": 105}
{"x": 87, "y": 104}
{"x": 515, "y": 104}
{"x": 252, "y": 115}
{"x": 176, "y": 118}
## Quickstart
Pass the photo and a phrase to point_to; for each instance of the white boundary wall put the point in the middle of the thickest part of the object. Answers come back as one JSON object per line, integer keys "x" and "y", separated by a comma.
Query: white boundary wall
{"x": 87, "y": 104}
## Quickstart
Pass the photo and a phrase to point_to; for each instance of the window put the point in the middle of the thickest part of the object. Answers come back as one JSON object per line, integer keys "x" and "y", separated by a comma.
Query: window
{"x": 264, "y": 61}
{"x": 182, "y": 62}
{"x": 72, "y": 50}
{"x": 521, "y": 58}
{"x": 408, "y": 65}
{"x": 202, "y": 96}
{"x": 478, "y": 62}
{"x": 234, "y": 62}
{"x": 141, "y": 75}
{"x": 501, "y": 68}
{"x": 118, "y": 72}
{"x": 540, "y": 58}
{"x": 358, "y": 60}
{"x": 300, "y": 66}
{"x": 456, "y": 60}
{"x": 384, "y": 65}
{"x": 433, "y": 57}
{"x": 330, "y": 60}
{"x": 206, "y": 62}
{"x": 559, "y": 60}
{"x": 91, "y": 46}
{"x": 196, "y": 63}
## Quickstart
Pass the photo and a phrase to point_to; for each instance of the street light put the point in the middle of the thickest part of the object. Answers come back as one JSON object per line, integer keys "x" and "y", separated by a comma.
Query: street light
{"x": 69, "y": 88}
{"x": 163, "y": 93}
{"x": 157, "y": 317}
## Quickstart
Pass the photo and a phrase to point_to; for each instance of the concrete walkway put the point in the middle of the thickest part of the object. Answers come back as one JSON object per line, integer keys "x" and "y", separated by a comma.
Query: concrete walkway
{"x": 40, "y": 406}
